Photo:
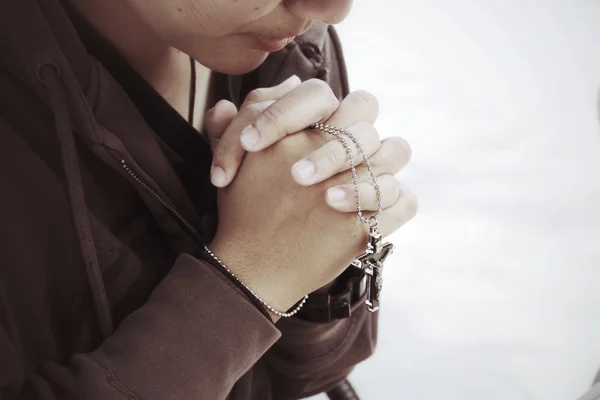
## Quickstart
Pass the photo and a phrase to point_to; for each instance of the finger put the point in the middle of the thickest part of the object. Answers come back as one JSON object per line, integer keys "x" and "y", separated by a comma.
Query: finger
{"x": 333, "y": 157}
{"x": 228, "y": 152}
{"x": 273, "y": 93}
{"x": 312, "y": 101}
{"x": 357, "y": 106}
{"x": 393, "y": 155}
{"x": 399, "y": 214}
{"x": 355, "y": 110}
{"x": 343, "y": 197}
{"x": 217, "y": 120}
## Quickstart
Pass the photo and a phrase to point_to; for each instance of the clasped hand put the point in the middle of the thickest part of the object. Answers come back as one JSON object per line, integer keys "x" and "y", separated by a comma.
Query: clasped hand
{"x": 287, "y": 205}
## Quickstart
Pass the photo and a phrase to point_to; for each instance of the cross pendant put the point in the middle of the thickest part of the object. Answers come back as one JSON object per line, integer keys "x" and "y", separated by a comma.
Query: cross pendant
{"x": 371, "y": 261}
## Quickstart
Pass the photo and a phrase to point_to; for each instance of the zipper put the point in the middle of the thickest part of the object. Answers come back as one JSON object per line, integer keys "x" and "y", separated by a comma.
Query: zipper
{"x": 161, "y": 200}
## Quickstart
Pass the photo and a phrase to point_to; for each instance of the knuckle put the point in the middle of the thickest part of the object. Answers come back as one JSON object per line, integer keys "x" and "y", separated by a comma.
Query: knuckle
{"x": 367, "y": 136}
{"x": 387, "y": 182}
{"x": 222, "y": 103}
{"x": 389, "y": 190}
{"x": 364, "y": 126}
{"x": 382, "y": 161}
{"x": 253, "y": 108}
{"x": 331, "y": 153}
{"x": 323, "y": 89}
{"x": 370, "y": 194}
{"x": 364, "y": 98}
{"x": 370, "y": 133}
{"x": 405, "y": 147}
{"x": 271, "y": 116}
{"x": 222, "y": 150}
{"x": 374, "y": 133}
{"x": 399, "y": 149}
{"x": 411, "y": 205}
{"x": 257, "y": 108}
{"x": 396, "y": 189}
{"x": 318, "y": 85}
{"x": 255, "y": 95}
{"x": 334, "y": 102}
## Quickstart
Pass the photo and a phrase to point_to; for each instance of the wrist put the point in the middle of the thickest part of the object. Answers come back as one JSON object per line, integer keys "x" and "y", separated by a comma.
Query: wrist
{"x": 255, "y": 274}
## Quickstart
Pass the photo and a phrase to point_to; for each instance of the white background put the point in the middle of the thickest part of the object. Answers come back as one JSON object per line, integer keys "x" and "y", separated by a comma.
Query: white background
{"x": 494, "y": 290}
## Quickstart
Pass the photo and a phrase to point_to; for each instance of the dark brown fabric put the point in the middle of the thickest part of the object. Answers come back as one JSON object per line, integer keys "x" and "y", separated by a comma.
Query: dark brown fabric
{"x": 182, "y": 330}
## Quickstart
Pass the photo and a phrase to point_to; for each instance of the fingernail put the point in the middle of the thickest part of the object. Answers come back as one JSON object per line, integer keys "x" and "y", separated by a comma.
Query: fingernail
{"x": 250, "y": 136}
{"x": 304, "y": 170}
{"x": 218, "y": 177}
{"x": 336, "y": 195}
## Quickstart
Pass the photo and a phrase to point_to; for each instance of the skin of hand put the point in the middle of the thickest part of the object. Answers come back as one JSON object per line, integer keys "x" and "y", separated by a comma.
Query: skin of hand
{"x": 279, "y": 236}
{"x": 288, "y": 108}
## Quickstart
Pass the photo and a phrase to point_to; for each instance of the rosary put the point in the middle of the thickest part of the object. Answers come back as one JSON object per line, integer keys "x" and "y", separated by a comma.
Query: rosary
{"x": 371, "y": 261}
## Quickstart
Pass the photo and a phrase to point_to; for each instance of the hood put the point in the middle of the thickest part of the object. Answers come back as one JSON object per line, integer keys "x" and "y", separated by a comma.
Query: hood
{"x": 44, "y": 55}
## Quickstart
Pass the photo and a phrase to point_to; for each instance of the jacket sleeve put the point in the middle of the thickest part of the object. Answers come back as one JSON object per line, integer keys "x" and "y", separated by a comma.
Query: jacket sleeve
{"x": 194, "y": 338}
{"x": 311, "y": 357}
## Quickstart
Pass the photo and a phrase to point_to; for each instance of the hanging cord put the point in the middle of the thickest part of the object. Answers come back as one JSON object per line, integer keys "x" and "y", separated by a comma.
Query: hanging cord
{"x": 49, "y": 75}
{"x": 192, "y": 102}
{"x": 343, "y": 391}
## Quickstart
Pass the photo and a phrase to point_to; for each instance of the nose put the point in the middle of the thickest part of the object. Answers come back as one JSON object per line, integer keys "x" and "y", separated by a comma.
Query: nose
{"x": 327, "y": 11}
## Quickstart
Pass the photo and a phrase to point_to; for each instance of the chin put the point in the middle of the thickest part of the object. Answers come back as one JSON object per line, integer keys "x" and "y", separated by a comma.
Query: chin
{"x": 238, "y": 64}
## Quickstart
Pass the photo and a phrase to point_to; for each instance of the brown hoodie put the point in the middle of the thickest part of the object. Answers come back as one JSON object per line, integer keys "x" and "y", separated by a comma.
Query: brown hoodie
{"x": 100, "y": 294}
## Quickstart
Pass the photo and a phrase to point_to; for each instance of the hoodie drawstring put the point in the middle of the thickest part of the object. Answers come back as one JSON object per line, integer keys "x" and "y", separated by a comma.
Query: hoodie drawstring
{"x": 49, "y": 74}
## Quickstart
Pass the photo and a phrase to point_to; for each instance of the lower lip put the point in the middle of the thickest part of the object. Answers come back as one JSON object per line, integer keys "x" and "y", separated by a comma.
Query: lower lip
{"x": 271, "y": 44}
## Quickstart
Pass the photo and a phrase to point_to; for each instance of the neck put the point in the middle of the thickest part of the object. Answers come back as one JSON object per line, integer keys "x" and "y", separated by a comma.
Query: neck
{"x": 161, "y": 65}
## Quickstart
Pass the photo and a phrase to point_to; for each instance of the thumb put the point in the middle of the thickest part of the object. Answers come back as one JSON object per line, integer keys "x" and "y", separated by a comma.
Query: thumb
{"x": 217, "y": 119}
{"x": 228, "y": 152}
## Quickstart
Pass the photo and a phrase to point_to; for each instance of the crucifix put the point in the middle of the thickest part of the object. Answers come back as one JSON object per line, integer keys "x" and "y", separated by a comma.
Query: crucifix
{"x": 371, "y": 262}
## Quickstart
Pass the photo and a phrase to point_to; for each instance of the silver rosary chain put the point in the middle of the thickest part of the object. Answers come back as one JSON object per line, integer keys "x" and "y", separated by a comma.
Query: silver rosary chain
{"x": 339, "y": 133}
{"x": 263, "y": 302}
